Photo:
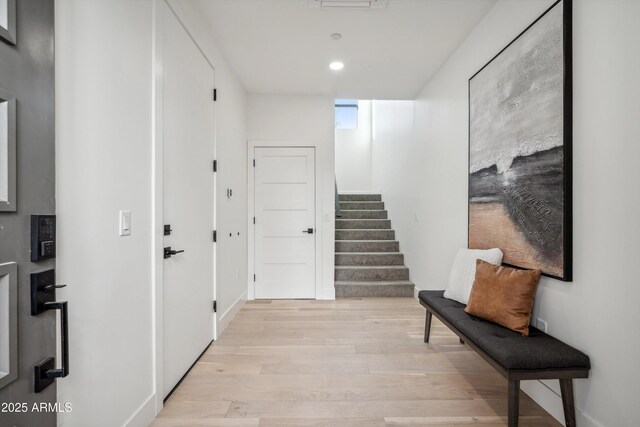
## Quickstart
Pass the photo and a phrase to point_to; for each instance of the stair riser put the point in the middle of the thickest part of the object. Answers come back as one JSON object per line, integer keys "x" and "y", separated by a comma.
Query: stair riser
{"x": 363, "y": 224}
{"x": 364, "y": 290}
{"x": 360, "y": 197}
{"x": 365, "y": 235}
{"x": 363, "y": 214}
{"x": 367, "y": 246}
{"x": 362, "y": 205}
{"x": 371, "y": 274}
{"x": 365, "y": 259}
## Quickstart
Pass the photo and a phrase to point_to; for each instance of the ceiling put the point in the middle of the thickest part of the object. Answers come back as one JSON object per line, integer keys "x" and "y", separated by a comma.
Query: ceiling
{"x": 285, "y": 47}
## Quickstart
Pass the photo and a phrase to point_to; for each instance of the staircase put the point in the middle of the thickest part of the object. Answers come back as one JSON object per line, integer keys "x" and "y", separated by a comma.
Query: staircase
{"x": 368, "y": 258}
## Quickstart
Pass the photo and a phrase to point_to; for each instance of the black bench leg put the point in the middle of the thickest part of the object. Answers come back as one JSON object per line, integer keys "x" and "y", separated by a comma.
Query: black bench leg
{"x": 461, "y": 341}
{"x": 514, "y": 402}
{"x": 566, "y": 387}
{"x": 427, "y": 326}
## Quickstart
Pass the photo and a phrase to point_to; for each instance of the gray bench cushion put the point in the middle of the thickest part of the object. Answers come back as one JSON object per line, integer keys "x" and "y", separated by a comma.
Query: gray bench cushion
{"x": 511, "y": 350}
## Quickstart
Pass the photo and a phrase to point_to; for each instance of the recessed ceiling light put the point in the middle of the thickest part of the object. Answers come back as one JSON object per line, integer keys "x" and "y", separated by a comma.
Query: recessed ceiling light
{"x": 336, "y": 66}
{"x": 336, "y": 36}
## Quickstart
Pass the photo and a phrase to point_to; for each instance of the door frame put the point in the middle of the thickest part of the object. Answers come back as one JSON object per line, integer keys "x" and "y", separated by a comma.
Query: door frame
{"x": 157, "y": 198}
{"x": 319, "y": 224}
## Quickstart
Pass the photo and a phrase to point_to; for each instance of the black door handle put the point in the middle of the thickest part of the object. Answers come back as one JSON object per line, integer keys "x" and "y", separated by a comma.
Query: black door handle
{"x": 64, "y": 338}
{"x": 308, "y": 230}
{"x": 45, "y": 372}
{"x": 53, "y": 287}
{"x": 168, "y": 252}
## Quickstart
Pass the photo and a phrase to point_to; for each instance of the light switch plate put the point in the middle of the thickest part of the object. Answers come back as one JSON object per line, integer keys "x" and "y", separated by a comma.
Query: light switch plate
{"x": 125, "y": 223}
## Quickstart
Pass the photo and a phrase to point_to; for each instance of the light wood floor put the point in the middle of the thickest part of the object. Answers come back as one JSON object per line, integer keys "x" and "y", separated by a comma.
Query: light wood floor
{"x": 350, "y": 362}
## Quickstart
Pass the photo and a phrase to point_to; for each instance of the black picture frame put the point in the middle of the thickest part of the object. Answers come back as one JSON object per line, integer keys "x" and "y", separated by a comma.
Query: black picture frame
{"x": 567, "y": 146}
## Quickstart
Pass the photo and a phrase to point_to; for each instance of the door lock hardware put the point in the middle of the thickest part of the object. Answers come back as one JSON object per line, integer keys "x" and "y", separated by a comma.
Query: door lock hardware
{"x": 53, "y": 287}
{"x": 45, "y": 372}
{"x": 43, "y": 237}
{"x": 308, "y": 230}
{"x": 168, "y": 253}
{"x": 43, "y": 298}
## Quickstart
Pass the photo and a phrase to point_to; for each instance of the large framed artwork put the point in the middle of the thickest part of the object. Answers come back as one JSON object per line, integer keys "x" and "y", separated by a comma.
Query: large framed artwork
{"x": 520, "y": 137}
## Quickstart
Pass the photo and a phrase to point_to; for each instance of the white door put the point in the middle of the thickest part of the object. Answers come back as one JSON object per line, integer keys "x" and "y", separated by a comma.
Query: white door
{"x": 285, "y": 230}
{"x": 188, "y": 201}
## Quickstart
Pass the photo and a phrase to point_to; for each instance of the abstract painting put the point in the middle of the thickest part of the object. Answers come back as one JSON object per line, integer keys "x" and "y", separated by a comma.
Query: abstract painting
{"x": 520, "y": 126}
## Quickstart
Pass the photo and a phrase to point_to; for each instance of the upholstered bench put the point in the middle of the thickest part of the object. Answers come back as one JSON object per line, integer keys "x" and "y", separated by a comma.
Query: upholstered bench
{"x": 534, "y": 357}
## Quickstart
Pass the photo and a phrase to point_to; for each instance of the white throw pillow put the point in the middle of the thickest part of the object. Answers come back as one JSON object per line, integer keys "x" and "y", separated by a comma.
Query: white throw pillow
{"x": 463, "y": 272}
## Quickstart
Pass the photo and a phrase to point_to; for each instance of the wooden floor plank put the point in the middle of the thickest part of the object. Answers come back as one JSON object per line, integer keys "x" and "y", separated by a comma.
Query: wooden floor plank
{"x": 349, "y": 362}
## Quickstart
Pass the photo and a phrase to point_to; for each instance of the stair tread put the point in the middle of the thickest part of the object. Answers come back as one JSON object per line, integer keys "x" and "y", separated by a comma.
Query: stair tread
{"x": 367, "y": 246}
{"x": 360, "y": 241}
{"x": 369, "y": 253}
{"x": 359, "y": 196}
{"x": 364, "y": 229}
{"x": 376, "y": 267}
{"x": 363, "y": 219}
{"x": 374, "y": 283}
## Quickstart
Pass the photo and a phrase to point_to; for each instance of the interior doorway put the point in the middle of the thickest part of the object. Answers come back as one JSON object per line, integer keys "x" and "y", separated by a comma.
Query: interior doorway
{"x": 188, "y": 202}
{"x": 285, "y": 232}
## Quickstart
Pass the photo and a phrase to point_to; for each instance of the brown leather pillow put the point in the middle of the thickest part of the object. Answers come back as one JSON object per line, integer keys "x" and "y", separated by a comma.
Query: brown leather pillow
{"x": 503, "y": 295}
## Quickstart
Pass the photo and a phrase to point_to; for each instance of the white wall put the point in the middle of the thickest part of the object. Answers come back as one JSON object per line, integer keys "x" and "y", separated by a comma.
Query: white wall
{"x": 104, "y": 141}
{"x": 306, "y": 119}
{"x": 420, "y": 162}
{"x": 353, "y": 154}
{"x": 103, "y": 164}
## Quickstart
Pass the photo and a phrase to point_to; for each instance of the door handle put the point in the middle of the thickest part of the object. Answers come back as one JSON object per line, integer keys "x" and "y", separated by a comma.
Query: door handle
{"x": 45, "y": 371}
{"x": 168, "y": 252}
{"x": 308, "y": 230}
{"x": 53, "y": 287}
{"x": 43, "y": 298}
{"x": 64, "y": 338}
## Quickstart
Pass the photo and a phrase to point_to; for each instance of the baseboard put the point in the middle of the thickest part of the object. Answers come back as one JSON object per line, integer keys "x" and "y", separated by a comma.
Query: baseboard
{"x": 552, "y": 403}
{"x": 415, "y": 292}
{"x": 144, "y": 415}
{"x": 226, "y": 317}
{"x": 328, "y": 294}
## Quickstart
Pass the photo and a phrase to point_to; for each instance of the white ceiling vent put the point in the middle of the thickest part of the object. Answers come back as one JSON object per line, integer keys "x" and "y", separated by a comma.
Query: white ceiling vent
{"x": 347, "y": 4}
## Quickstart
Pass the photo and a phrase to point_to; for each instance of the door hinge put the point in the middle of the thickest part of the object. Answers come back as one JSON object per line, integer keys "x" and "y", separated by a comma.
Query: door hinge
{"x": 254, "y": 219}
{"x": 254, "y": 163}
{"x": 215, "y": 306}
{"x": 215, "y": 166}
{"x": 254, "y": 277}
{"x": 215, "y": 236}
{"x": 215, "y": 94}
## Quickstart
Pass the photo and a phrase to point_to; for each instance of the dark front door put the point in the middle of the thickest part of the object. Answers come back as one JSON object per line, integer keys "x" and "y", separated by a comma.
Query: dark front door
{"x": 27, "y": 140}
